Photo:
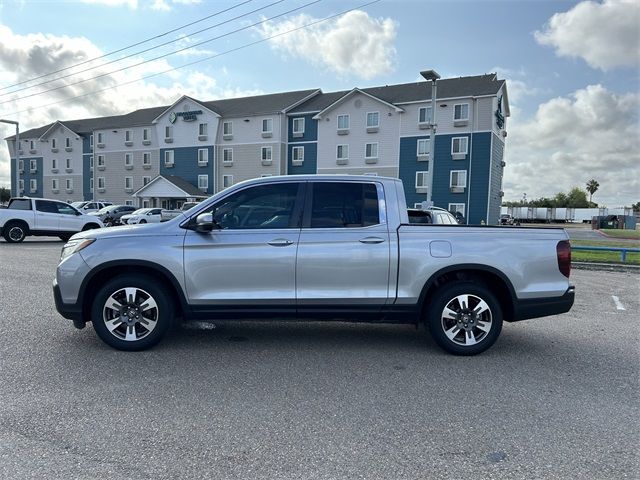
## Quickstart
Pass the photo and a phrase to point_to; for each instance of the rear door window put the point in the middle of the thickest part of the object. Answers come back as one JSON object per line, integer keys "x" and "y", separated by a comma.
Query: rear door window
{"x": 343, "y": 205}
{"x": 46, "y": 206}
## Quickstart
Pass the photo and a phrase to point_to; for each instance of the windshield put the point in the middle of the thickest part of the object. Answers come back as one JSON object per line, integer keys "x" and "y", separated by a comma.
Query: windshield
{"x": 78, "y": 204}
{"x": 104, "y": 210}
{"x": 140, "y": 211}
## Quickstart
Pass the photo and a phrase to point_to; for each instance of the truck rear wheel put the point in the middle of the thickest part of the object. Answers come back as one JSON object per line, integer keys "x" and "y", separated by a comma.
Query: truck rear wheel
{"x": 132, "y": 312}
{"x": 14, "y": 232}
{"x": 464, "y": 318}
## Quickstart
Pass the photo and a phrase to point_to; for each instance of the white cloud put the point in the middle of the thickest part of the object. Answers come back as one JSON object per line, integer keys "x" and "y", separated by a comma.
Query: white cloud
{"x": 27, "y": 56}
{"x": 605, "y": 35}
{"x": 160, "y": 5}
{"x": 113, "y": 3}
{"x": 353, "y": 44}
{"x": 591, "y": 134}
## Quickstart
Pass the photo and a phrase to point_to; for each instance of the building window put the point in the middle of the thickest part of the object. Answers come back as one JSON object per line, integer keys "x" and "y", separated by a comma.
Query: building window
{"x": 100, "y": 137}
{"x": 128, "y": 183}
{"x": 424, "y": 147}
{"x": 146, "y": 158}
{"x": 101, "y": 183}
{"x": 21, "y": 185}
{"x": 297, "y": 155}
{"x": 32, "y": 145}
{"x": 203, "y": 182}
{"x": 145, "y": 134}
{"x": 54, "y": 184}
{"x": 168, "y": 132}
{"x": 266, "y": 155}
{"x": 298, "y": 127}
{"x": 459, "y": 147}
{"x": 227, "y": 181}
{"x": 91, "y": 185}
{"x": 203, "y": 156}
{"x": 458, "y": 180}
{"x": 69, "y": 184}
{"x": 373, "y": 119}
{"x": 267, "y": 125}
{"x": 227, "y": 155}
{"x": 168, "y": 158}
{"x": 461, "y": 111}
{"x": 145, "y": 204}
{"x": 127, "y": 136}
{"x": 91, "y": 140}
{"x": 422, "y": 181}
{"x": 21, "y": 166}
{"x": 457, "y": 208}
{"x": 53, "y": 143}
{"x": 128, "y": 160}
{"x": 101, "y": 161}
{"x": 424, "y": 115}
{"x": 145, "y": 180}
{"x": 342, "y": 154}
{"x": 128, "y": 203}
{"x": 67, "y": 164}
{"x": 33, "y": 166}
{"x": 202, "y": 129}
{"x": 90, "y": 162}
{"x": 343, "y": 124}
{"x": 227, "y": 129}
{"x": 33, "y": 185}
{"x": 54, "y": 164}
{"x": 371, "y": 150}
{"x": 67, "y": 142}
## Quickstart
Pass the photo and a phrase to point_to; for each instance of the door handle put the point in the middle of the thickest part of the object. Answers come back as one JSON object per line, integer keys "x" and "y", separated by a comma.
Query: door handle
{"x": 370, "y": 240}
{"x": 280, "y": 242}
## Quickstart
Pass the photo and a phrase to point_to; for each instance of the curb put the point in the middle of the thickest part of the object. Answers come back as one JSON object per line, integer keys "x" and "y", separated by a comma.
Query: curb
{"x": 606, "y": 267}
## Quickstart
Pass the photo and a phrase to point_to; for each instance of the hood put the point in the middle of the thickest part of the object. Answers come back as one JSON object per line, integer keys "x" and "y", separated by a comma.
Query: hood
{"x": 171, "y": 227}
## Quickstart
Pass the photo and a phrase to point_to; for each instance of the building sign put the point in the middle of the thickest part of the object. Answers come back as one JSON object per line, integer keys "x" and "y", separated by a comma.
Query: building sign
{"x": 190, "y": 116}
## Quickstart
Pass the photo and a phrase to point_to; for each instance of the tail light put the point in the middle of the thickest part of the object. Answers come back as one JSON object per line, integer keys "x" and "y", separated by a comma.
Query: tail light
{"x": 563, "y": 249}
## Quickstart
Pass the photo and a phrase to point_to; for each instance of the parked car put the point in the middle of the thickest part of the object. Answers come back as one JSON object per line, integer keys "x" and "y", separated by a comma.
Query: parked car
{"x": 506, "y": 219}
{"x": 90, "y": 206}
{"x": 42, "y": 217}
{"x": 314, "y": 247}
{"x": 111, "y": 214}
{"x": 169, "y": 214}
{"x": 142, "y": 215}
{"x": 431, "y": 215}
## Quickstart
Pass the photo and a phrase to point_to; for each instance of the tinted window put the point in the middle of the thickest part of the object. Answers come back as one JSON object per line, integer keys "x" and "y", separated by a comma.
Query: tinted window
{"x": 65, "y": 209}
{"x": 20, "y": 204}
{"x": 344, "y": 205}
{"x": 46, "y": 206}
{"x": 264, "y": 206}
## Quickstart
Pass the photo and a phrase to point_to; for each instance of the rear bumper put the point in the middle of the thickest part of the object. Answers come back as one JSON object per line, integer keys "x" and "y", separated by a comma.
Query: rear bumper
{"x": 71, "y": 311}
{"x": 543, "y": 307}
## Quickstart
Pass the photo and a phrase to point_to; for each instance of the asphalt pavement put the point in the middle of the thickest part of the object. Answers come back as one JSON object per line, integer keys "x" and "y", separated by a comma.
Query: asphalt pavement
{"x": 554, "y": 398}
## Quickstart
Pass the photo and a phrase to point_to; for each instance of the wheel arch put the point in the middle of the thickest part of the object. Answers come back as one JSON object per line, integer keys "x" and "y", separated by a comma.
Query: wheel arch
{"x": 109, "y": 270}
{"x": 494, "y": 279}
{"x": 17, "y": 221}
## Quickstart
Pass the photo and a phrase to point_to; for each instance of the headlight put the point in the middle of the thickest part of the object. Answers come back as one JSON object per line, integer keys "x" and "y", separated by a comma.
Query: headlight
{"x": 75, "y": 246}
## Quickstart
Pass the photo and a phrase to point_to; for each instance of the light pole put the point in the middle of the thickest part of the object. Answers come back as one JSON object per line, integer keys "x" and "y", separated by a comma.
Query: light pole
{"x": 432, "y": 76}
{"x": 17, "y": 150}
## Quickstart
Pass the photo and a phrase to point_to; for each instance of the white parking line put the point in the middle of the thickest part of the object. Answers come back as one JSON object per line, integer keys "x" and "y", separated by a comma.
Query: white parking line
{"x": 619, "y": 305}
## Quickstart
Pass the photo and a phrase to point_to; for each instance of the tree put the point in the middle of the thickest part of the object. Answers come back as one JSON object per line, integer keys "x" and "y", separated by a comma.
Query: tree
{"x": 592, "y": 187}
{"x": 577, "y": 198}
{"x": 5, "y": 195}
{"x": 636, "y": 207}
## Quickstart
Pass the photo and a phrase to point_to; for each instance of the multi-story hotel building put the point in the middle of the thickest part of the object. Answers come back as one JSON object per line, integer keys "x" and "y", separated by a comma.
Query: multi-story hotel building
{"x": 163, "y": 156}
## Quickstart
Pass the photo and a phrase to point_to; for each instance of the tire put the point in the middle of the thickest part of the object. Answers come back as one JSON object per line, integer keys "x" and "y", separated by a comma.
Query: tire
{"x": 65, "y": 238}
{"x": 108, "y": 222}
{"x": 456, "y": 325}
{"x": 138, "y": 330}
{"x": 143, "y": 221}
{"x": 15, "y": 232}
{"x": 90, "y": 226}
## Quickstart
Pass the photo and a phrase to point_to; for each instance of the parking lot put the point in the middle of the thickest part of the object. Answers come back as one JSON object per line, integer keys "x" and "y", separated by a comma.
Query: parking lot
{"x": 555, "y": 397}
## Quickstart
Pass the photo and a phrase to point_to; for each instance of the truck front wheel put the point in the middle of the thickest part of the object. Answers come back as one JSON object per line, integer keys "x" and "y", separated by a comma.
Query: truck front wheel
{"x": 132, "y": 312}
{"x": 464, "y": 318}
{"x": 14, "y": 232}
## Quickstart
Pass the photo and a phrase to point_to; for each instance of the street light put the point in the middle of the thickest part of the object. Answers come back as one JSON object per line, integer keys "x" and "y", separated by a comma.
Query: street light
{"x": 17, "y": 150}
{"x": 432, "y": 76}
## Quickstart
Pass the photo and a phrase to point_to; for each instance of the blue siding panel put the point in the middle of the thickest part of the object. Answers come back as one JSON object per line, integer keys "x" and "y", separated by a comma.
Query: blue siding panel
{"x": 27, "y": 176}
{"x": 497, "y": 171}
{"x": 479, "y": 178}
{"x": 442, "y": 167}
{"x": 310, "y": 163}
{"x": 185, "y": 165}
{"x": 409, "y": 165}
{"x": 310, "y": 129}
{"x": 86, "y": 176}
{"x": 14, "y": 187}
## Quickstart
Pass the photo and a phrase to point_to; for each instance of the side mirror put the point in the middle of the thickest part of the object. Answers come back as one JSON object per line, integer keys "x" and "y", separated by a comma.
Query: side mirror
{"x": 204, "y": 223}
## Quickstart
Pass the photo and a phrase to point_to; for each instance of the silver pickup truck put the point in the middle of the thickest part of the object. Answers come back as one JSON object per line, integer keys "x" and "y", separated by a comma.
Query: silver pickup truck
{"x": 312, "y": 247}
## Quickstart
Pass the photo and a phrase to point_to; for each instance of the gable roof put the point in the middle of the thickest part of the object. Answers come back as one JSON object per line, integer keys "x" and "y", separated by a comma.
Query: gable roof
{"x": 180, "y": 183}
{"x": 351, "y": 93}
{"x": 184, "y": 97}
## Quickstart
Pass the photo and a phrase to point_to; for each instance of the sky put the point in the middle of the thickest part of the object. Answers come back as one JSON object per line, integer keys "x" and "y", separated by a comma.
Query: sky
{"x": 572, "y": 68}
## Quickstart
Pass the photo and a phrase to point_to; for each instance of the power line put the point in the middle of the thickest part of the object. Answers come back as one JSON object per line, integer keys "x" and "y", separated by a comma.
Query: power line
{"x": 108, "y": 54}
{"x": 134, "y": 54}
{"x": 161, "y": 56}
{"x": 247, "y": 45}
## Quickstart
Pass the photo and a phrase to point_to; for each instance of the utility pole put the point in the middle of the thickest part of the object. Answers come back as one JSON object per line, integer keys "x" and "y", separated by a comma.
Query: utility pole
{"x": 432, "y": 76}
{"x": 17, "y": 151}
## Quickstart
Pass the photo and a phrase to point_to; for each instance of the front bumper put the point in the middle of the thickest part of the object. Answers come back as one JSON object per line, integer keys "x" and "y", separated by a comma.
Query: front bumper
{"x": 71, "y": 311}
{"x": 543, "y": 307}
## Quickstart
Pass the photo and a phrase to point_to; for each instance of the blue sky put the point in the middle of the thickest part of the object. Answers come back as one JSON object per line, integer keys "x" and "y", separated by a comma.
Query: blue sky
{"x": 558, "y": 78}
